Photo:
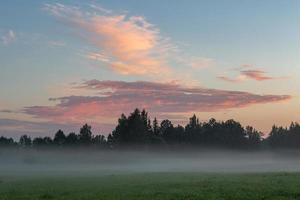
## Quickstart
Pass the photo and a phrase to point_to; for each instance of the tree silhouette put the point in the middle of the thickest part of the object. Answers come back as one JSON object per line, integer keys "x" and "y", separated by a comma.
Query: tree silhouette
{"x": 25, "y": 141}
{"x": 193, "y": 131}
{"x": 166, "y": 130}
{"x": 42, "y": 142}
{"x": 99, "y": 141}
{"x": 285, "y": 137}
{"x": 85, "y": 135}
{"x": 59, "y": 138}
{"x": 254, "y": 137}
{"x": 6, "y": 142}
{"x": 134, "y": 130}
{"x": 72, "y": 139}
{"x": 155, "y": 127}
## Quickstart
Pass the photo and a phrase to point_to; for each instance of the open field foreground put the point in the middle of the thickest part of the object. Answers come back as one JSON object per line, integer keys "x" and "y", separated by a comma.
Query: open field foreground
{"x": 153, "y": 186}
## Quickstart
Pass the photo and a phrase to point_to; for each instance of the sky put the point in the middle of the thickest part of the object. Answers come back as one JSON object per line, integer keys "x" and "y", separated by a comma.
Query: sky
{"x": 66, "y": 63}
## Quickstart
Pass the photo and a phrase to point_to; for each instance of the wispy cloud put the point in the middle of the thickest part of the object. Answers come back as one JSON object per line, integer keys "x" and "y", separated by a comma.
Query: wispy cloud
{"x": 98, "y": 57}
{"x": 131, "y": 44}
{"x": 247, "y": 72}
{"x": 8, "y": 37}
{"x": 100, "y": 9}
{"x": 233, "y": 80}
{"x": 115, "y": 97}
{"x": 257, "y": 75}
{"x": 7, "y": 111}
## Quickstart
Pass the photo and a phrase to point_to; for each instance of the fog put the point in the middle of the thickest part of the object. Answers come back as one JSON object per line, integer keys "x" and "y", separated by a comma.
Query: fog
{"x": 86, "y": 162}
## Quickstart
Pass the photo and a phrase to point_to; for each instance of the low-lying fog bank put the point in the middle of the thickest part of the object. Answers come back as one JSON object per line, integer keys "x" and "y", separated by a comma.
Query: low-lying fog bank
{"x": 81, "y": 162}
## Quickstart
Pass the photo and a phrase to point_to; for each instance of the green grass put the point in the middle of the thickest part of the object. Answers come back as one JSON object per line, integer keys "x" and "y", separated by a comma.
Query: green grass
{"x": 153, "y": 186}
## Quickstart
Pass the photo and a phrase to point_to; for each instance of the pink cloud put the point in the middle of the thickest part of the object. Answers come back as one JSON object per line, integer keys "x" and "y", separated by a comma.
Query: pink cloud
{"x": 257, "y": 75}
{"x": 129, "y": 44}
{"x": 228, "y": 79}
{"x": 252, "y": 74}
{"x": 116, "y": 97}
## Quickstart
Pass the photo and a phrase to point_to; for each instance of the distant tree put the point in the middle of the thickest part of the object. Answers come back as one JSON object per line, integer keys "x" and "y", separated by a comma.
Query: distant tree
{"x": 42, "y": 142}
{"x": 154, "y": 136}
{"x": 293, "y": 136}
{"x": 193, "y": 123}
{"x": 99, "y": 141}
{"x": 25, "y": 141}
{"x": 6, "y": 142}
{"x": 132, "y": 130}
{"x": 38, "y": 141}
{"x": 254, "y": 137}
{"x": 280, "y": 137}
{"x": 85, "y": 134}
{"x": 233, "y": 134}
{"x": 110, "y": 141}
{"x": 59, "y": 138}
{"x": 166, "y": 130}
{"x": 212, "y": 133}
{"x": 121, "y": 133}
{"x": 48, "y": 140}
{"x": 193, "y": 131}
{"x": 155, "y": 127}
{"x": 179, "y": 135}
{"x": 72, "y": 139}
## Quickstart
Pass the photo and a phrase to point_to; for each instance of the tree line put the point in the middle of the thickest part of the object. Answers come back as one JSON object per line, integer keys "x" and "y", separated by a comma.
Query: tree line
{"x": 137, "y": 130}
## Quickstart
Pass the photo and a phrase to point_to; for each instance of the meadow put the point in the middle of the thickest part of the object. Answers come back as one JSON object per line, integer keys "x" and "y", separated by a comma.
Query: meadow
{"x": 154, "y": 185}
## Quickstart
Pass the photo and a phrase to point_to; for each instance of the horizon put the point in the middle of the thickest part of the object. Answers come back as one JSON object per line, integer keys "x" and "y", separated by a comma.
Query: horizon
{"x": 94, "y": 133}
{"x": 69, "y": 63}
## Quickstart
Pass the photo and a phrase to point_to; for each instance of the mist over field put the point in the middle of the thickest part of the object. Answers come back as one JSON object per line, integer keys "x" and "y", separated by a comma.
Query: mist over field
{"x": 87, "y": 162}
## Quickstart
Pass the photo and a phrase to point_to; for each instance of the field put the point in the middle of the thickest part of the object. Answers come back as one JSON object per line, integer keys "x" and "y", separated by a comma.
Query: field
{"x": 153, "y": 186}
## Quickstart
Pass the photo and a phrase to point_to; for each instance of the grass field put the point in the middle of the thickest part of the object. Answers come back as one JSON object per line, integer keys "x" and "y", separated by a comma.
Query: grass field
{"x": 154, "y": 186}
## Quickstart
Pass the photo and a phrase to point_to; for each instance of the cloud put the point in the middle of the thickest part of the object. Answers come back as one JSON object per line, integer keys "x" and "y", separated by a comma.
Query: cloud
{"x": 228, "y": 79}
{"x": 100, "y": 9}
{"x": 8, "y": 37}
{"x": 98, "y": 57}
{"x": 249, "y": 74}
{"x": 257, "y": 75}
{"x": 130, "y": 44}
{"x": 7, "y": 111}
{"x": 116, "y": 97}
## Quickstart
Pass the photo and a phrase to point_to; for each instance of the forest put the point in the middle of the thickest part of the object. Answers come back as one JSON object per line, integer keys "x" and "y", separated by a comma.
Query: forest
{"x": 138, "y": 131}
